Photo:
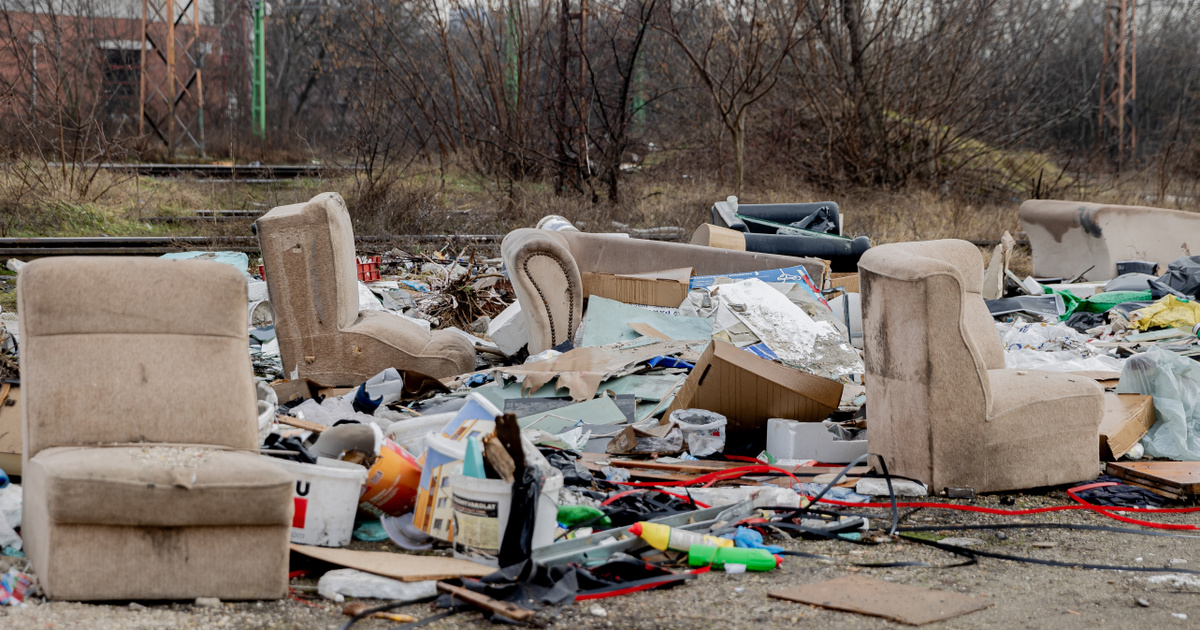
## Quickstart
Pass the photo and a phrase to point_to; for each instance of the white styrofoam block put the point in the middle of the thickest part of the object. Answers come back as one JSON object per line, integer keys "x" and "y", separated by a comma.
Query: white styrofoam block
{"x": 507, "y": 330}
{"x": 791, "y": 439}
{"x": 256, "y": 290}
{"x": 875, "y": 487}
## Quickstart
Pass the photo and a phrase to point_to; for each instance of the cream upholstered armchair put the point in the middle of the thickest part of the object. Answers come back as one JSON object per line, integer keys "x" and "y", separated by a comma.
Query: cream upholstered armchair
{"x": 941, "y": 406}
{"x": 308, "y": 258}
{"x": 545, "y": 268}
{"x": 142, "y": 478}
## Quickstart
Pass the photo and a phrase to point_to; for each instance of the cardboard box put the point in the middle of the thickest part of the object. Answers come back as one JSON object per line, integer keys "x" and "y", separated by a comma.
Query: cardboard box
{"x": 749, "y": 390}
{"x": 10, "y": 429}
{"x": 667, "y": 288}
{"x": 1127, "y": 417}
{"x": 849, "y": 281}
{"x": 299, "y": 389}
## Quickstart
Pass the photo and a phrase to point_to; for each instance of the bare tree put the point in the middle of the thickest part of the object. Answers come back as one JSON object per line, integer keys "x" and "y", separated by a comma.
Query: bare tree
{"x": 737, "y": 48}
{"x": 612, "y": 67}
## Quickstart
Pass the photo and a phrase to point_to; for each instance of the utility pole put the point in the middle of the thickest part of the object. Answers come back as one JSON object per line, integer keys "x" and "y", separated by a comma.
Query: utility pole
{"x": 258, "y": 76}
{"x": 1118, "y": 83}
{"x": 171, "y": 94}
{"x": 573, "y": 103}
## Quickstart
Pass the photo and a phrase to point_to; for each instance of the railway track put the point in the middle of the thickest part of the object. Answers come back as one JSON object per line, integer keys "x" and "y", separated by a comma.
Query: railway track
{"x": 230, "y": 172}
{"x": 40, "y": 247}
{"x": 30, "y": 248}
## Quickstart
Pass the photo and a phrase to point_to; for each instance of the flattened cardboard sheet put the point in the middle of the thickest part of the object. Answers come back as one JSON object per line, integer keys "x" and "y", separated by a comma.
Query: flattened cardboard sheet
{"x": 900, "y": 602}
{"x": 398, "y": 566}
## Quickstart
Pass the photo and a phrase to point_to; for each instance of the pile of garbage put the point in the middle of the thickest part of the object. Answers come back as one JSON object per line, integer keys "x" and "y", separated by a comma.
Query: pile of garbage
{"x": 669, "y": 435}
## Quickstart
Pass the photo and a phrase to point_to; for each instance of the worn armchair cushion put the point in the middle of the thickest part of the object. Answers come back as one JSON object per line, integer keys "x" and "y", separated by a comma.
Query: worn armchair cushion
{"x": 104, "y": 340}
{"x": 162, "y": 485}
{"x": 121, "y": 358}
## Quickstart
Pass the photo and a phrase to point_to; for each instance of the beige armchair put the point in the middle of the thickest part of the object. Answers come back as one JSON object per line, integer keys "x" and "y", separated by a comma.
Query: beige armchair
{"x": 142, "y": 478}
{"x": 308, "y": 258}
{"x": 545, "y": 268}
{"x": 941, "y": 407}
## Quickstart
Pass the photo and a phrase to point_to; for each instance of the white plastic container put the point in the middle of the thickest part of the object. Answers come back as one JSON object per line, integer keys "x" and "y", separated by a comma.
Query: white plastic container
{"x": 790, "y": 439}
{"x": 411, "y": 433}
{"x": 325, "y": 496}
{"x": 481, "y": 508}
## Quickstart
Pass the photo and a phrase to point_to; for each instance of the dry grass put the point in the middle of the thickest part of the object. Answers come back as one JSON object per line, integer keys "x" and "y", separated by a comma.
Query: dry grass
{"x": 40, "y": 201}
{"x": 456, "y": 202}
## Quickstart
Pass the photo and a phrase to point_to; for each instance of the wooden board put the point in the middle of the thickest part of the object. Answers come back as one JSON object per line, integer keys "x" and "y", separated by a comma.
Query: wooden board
{"x": 300, "y": 424}
{"x": 398, "y": 566}
{"x": 1181, "y": 479}
{"x": 900, "y": 602}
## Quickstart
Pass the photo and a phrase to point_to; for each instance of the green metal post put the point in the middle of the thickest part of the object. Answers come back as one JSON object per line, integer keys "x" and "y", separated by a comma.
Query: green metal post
{"x": 258, "y": 81}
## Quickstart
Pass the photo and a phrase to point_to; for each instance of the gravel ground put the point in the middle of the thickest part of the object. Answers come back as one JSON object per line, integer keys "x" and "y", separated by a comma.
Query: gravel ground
{"x": 1023, "y": 595}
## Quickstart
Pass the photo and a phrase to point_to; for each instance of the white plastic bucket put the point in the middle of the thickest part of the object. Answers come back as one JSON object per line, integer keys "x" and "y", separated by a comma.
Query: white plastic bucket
{"x": 325, "y": 497}
{"x": 481, "y": 508}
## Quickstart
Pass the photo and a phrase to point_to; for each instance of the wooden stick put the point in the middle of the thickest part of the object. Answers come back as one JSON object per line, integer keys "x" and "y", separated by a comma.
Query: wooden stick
{"x": 507, "y": 609}
{"x": 300, "y": 424}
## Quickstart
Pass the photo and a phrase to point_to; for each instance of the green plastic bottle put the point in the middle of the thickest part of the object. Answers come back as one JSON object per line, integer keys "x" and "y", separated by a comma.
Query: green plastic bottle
{"x": 572, "y": 515}
{"x": 718, "y": 557}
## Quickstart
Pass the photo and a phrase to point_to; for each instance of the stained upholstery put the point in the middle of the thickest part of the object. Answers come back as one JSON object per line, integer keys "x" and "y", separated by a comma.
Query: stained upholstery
{"x": 1073, "y": 237}
{"x": 141, "y": 473}
{"x": 308, "y": 258}
{"x": 942, "y": 407}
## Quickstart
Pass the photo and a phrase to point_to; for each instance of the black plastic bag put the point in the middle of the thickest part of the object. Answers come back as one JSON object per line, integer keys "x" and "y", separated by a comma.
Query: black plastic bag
{"x": 1183, "y": 275}
{"x": 517, "y": 545}
{"x": 574, "y": 473}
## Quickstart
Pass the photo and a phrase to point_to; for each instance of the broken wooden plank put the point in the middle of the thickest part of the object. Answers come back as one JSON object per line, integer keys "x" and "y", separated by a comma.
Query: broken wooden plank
{"x": 300, "y": 424}
{"x": 1180, "y": 478}
{"x": 505, "y": 609}
{"x": 497, "y": 460}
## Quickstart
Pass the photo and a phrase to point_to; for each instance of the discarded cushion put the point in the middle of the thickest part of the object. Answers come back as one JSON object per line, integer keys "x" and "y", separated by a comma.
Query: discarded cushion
{"x": 162, "y": 485}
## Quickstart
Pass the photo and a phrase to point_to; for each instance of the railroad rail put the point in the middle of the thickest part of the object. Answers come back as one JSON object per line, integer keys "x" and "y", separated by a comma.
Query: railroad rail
{"x": 40, "y": 247}
{"x": 28, "y": 248}
{"x": 238, "y": 172}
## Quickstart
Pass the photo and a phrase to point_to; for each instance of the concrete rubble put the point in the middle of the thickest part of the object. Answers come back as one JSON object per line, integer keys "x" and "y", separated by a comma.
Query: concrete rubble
{"x": 581, "y": 416}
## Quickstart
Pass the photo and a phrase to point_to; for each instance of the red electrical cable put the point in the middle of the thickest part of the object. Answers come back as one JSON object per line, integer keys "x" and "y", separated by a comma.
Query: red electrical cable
{"x": 741, "y": 471}
{"x": 1125, "y": 519}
